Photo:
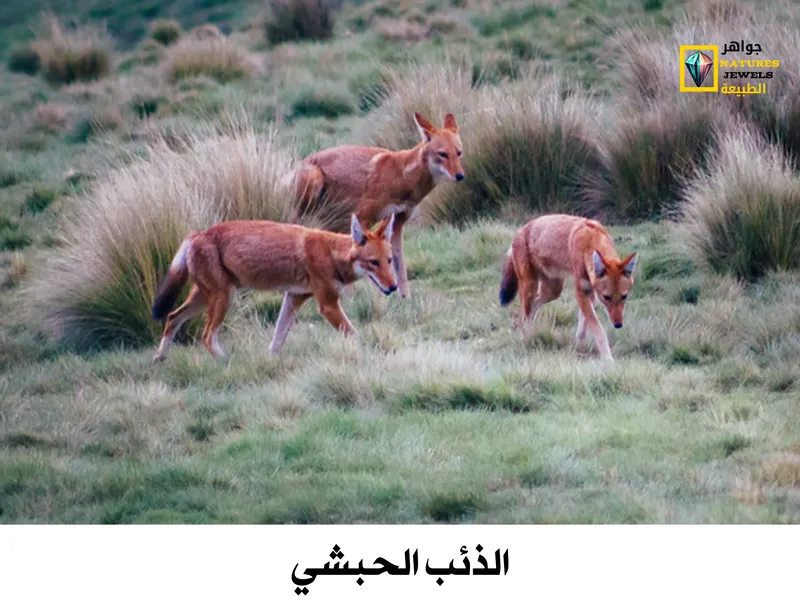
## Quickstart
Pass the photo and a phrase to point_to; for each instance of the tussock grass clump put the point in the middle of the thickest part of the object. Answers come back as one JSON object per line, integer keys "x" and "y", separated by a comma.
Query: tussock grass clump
{"x": 298, "y": 20}
{"x": 527, "y": 149}
{"x": 120, "y": 237}
{"x": 529, "y": 145}
{"x": 431, "y": 90}
{"x": 165, "y": 31}
{"x": 647, "y": 155}
{"x": 646, "y": 63}
{"x": 217, "y": 58}
{"x": 24, "y": 59}
{"x": 72, "y": 53}
{"x": 742, "y": 217}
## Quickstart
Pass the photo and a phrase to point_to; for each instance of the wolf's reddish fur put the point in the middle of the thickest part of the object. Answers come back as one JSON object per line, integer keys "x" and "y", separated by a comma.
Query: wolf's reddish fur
{"x": 550, "y": 248}
{"x": 264, "y": 255}
{"x": 375, "y": 182}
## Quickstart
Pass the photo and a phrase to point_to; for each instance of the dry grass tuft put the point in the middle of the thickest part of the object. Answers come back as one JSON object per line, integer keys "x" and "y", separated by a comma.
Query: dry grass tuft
{"x": 646, "y": 63}
{"x": 782, "y": 470}
{"x": 120, "y": 237}
{"x": 70, "y": 53}
{"x": 648, "y": 153}
{"x": 214, "y": 57}
{"x": 742, "y": 216}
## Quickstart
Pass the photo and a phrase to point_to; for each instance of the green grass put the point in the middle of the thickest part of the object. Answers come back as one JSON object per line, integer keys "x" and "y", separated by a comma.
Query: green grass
{"x": 439, "y": 412}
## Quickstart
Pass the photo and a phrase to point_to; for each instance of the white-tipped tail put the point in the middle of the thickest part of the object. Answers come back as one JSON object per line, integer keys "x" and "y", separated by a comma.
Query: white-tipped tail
{"x": 170, "y": 288}
{"x": 179, "y": 261}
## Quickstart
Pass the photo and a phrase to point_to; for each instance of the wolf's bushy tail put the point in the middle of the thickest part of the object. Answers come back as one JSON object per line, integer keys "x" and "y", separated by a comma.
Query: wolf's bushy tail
{"x": 509, "y": 282}
{"x": 170, "y": 288}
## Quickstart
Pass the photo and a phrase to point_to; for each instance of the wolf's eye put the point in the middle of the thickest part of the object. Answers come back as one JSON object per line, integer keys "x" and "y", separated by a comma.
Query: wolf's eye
{"x": 607, "y": 298}
{"x": 375, "y": 263}
{"x": 443, "y": 154}
{"x": 624, "y": 296}
{"x": 389, "y": 260}
{"x": 459, "y": 152}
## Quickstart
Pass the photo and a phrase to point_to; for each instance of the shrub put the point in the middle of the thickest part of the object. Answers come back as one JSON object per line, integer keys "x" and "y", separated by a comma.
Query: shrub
{"x": 70, "y": 54}
{"x": 165, "y": 31}
{"x": 217, "y": 58}
{"x": 24, "y": 59}
{"x": 647, "y": 153}
{"x": 296, "y": 20}
{"x": 120, "y": 236}
{"x": 743, "y": 216}
{"x": 527, "y": 149}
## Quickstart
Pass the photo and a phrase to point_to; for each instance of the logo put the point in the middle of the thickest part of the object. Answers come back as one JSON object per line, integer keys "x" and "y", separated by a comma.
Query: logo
{"x": 699, "y": 69}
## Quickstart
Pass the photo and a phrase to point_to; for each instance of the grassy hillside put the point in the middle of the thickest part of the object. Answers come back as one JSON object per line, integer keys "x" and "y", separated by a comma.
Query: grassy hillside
{"x": 127, "y": 124}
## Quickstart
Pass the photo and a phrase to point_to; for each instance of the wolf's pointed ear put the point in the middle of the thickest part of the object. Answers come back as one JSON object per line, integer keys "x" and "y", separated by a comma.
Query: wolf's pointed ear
{"x": 598, "y": 264}
{"x": 385, "y": 224}
{"x": 426, "y": 129}
{"x": 357, "y": 231}
{"x": 450, "y": 123}
{"x": 629, "y": 264}
{"x": 388, "y": 227}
